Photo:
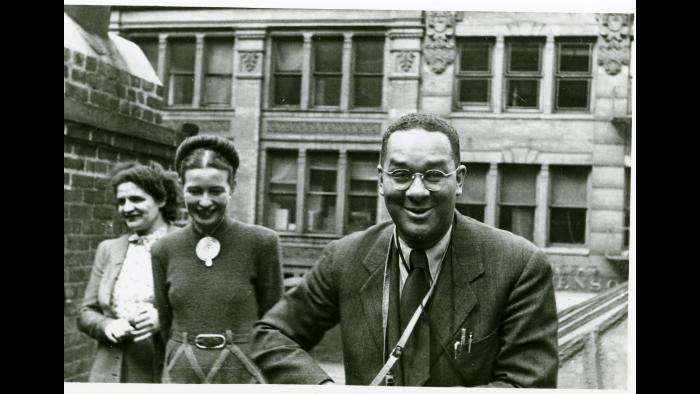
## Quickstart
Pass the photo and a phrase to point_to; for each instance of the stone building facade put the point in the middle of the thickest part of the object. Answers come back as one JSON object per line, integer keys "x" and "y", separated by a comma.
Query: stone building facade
{"x": 542, "y": 102}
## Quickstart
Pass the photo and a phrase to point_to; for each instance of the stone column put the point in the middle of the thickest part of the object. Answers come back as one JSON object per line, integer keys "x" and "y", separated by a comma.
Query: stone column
{"x": 548, "y": 72}
{"x": 341, "y": 188}
{"x": 491, "y": 195}
{"x": 301, "y": 190}
{"x": 198, "y": 70}
{"x": 246, "y": 98}
{"x": 542, "y": 198}
{"x": 306, "y": 72}
{"x": 403, "y": 70}
{"x": 162, "y": 58}
{"x": 498, "y": 71}
{"x": 346, "y": 68}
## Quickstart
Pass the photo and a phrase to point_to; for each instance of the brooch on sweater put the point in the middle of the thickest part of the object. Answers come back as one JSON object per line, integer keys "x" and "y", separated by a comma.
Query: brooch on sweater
{"x": 207, "y": 249}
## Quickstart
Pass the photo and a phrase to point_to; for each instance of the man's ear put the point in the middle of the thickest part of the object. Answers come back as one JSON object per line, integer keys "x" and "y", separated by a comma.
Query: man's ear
{"x": 380, "y": 179}
{"x": 461, "y": 175}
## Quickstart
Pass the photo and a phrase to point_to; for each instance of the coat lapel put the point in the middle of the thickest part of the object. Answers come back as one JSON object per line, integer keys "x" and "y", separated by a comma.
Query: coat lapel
{"x": 454, "y": 291}
{"x": 371, "y": 290}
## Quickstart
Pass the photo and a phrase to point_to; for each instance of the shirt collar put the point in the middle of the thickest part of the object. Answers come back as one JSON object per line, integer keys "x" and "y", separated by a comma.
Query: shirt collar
{"x": 148, "y": 238}
{"x": 435, "y": 254}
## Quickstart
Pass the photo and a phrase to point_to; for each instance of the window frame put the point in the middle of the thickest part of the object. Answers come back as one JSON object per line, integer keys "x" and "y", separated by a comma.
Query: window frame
{"x": 307, "y": 73}
{"x": 561, "y": 76}
{"x": 275, "y": 152}
{"x": 533, "y": 205}
{"x": 489, "y": 43}
{"x": 169, "y": 74}
{"x": 206, "y": 74}
{"x": 510, "y": 75}
{"x": 484, "y": 203}
{"x": 274, "y": 74}
{"x": 551, "y": 205}
{"x": 354, "y": 73}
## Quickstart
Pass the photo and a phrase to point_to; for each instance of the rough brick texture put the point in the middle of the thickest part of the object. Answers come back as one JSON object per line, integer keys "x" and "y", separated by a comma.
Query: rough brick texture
{"x": 97, "y": 136}
{"x": 107, "y": 86}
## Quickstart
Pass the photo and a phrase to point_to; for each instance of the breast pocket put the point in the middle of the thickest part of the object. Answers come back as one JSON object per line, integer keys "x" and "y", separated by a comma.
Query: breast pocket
{"x": 477, "y": 359}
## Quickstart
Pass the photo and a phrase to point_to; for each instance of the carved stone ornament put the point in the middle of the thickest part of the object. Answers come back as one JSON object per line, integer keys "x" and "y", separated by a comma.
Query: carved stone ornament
{"x": 249, "y": 60}
{"x": 405, "y": 60}
{"x": 439, "y": 46}
{"x": 614, "y": 51}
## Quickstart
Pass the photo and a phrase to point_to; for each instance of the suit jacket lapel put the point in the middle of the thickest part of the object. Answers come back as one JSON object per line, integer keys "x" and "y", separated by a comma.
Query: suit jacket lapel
{"x": 371, "y": 290}
{"x": 454, "y": 292}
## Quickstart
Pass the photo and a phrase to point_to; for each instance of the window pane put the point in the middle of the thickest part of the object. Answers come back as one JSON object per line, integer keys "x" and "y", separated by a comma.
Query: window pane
{"x": 518, "y": 184}
{"x": 524, "y": 57}
{"x": 575, "y": 57}
{"x": 149, "y": 46}
{"x": 217, "y": 90}
{"x": 282, "y": 212}
{"x": 569, "y": 185}
{"x": 523, "y": 93}
{"x": 320, "y": 213}
{"x": 181, "y": 56}
{"x": 181, "y": 89}
{"x": 474, "y": 90}
{"x": 567, "y": 225}
{"x": 327, "y": 90}
{"x": 368, "y": 91}
{"x": 323, "y": 172}
{"x": 282, "y": 175}
{"x": 363, "y": 174}
{"x": 328, "y": 54}
{"x": 628, "y": 184}
{"x": 288, "y": 54}
{"x": 474, "y": 57}
{"x": 472, "y": 210}
{"x": 219, "y": 56}
{"x": 362, "y": 213}
{"x": 474, "y": 189}
{"x": 369, "y": 55}
{"x": 572, "y": 93}
{"x": 287, "y": 89}
{"x": 518, "y": 220}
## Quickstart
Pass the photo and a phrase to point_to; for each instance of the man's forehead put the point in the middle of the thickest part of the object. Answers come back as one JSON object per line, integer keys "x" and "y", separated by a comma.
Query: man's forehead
{"x": 413, "y": 141}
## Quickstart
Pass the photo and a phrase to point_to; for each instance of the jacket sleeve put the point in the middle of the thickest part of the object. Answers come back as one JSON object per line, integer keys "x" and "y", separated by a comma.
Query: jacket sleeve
{"x": 159, "y": 264}
{"x": 282, "y": 338}
{"x": 529, "y": 354}
{"x": 91, "y": 317}
{"x": 269, "y": 284}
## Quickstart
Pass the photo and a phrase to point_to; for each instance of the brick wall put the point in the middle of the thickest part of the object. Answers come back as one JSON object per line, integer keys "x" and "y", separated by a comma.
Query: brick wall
{"x": 110, "y": 116}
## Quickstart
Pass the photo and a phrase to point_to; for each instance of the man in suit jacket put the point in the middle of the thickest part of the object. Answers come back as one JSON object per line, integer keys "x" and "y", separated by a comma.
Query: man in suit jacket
{"x": 490, "y": 319}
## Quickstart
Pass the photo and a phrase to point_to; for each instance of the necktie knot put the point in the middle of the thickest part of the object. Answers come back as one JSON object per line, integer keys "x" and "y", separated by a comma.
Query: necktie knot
{"x": 418, "y": 259}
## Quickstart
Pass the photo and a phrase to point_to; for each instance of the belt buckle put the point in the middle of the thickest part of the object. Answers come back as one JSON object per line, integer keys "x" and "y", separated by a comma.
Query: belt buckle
{"x": 220, "y": 337}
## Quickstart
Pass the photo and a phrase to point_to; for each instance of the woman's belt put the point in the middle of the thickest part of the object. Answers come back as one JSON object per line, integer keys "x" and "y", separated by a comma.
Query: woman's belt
{"x": 209, "y": 340}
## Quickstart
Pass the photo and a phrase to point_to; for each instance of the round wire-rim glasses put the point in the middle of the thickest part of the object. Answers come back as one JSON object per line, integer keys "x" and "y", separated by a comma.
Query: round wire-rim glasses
{"x": 433, "y": 180}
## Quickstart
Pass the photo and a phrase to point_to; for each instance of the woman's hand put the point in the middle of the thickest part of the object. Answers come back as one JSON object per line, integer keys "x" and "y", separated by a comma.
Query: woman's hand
{"x": 118, "y": 329}
{"x": 145, "y": 324}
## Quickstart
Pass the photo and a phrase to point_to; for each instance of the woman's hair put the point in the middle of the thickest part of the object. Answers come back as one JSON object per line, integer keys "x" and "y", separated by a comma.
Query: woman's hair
{"x": 204, "y": 151}
{"x": 153, "y": 179}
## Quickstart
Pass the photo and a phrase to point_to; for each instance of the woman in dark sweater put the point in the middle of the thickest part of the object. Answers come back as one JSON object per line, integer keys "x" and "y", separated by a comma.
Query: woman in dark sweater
{"x": 215, "y": 277}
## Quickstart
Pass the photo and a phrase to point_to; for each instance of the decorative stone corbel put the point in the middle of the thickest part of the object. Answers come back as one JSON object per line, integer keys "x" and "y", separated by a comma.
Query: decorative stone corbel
{"x": 614, "y": 50}
{"x": 439, "y": 48}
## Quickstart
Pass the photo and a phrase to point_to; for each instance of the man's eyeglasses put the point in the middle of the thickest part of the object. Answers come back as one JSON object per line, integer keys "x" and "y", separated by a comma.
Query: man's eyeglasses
{"x": 433, "y": 180}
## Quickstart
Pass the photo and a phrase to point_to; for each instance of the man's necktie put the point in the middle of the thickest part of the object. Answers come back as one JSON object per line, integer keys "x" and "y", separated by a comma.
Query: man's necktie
{"x": 415, "y": 288}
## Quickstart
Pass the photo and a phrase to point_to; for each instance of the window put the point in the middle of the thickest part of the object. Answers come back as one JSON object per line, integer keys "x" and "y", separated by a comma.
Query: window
{"x": 181, "y": 72}
{"x": 218, "y": 68}
{"x": 362, "y": 192}
{"x": 474, "y": 72}
{"x": 472, "y": 201}
{"x": 149, "y": 46}
{"x": 330, "y": 85}
{"x": 368, "y": 68}
{"x": 628, "y": 195}
{"x": 517, "y": 199}
{"x": 523, "y": 74}
{"x": 282, "y": 190}
{"x": 322, "y": 192}
{"x": 325, "y": 181}
{"x": 568, "y": 204}
{"x": 328, "y": 70}
{"x": 573, "y": 76}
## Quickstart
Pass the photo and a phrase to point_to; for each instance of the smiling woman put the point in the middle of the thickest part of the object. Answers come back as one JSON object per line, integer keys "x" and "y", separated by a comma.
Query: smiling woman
{"x": 118, "y": 309}
{"x": 214, "y": 278}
